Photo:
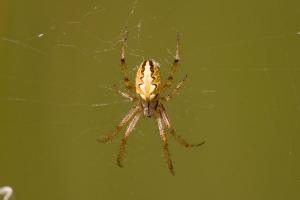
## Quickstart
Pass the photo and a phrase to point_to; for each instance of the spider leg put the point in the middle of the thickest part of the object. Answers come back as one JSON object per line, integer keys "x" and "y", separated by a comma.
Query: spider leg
{"x": 124, "y": 121}
{"x": 175, "y": 90}
{"x": 124, "y": 64}
{"x": 124, "y": 94}
{"x": 129, "y": 129}
{"x": 163, "y": 137}
{"x": 179, "y": 139}
{"x": 174, "y": 65}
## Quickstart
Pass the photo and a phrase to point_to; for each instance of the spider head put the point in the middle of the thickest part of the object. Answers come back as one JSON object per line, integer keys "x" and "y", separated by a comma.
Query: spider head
{"x": 147, "y": 80}
{"x": 149, "y": 107}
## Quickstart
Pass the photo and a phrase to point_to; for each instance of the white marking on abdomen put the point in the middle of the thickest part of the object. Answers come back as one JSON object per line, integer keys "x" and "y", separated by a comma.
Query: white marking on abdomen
{"x": 147, "y": 87}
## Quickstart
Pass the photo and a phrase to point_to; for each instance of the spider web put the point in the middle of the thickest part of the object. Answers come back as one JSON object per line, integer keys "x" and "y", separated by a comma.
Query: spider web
{"x": 63, "y": 34}
{"x": 76, "y": 36}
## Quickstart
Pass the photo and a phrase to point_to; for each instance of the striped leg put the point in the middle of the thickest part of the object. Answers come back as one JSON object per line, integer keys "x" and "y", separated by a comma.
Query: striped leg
{"x": 124, "y": 94}
{"x": 163, "y": 137}
{"x": 124, "y": 64}
{"x": 179, "y": 139}
{"x": 175, "y": 90}
{"x": 175, "y": 63}
{"x": 130, "y": 128}
{"x": 124, "y": 121}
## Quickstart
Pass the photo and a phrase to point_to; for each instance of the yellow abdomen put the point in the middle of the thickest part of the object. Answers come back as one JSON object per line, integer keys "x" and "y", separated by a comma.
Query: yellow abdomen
{"x": 148, "y": 80}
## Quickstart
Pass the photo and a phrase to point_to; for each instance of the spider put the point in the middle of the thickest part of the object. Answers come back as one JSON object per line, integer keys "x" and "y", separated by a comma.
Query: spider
{"x": 147, "y": 99}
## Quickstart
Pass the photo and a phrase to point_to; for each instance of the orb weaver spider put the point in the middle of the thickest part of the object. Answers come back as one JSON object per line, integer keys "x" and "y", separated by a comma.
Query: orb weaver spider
{"x": 148, "y": 100}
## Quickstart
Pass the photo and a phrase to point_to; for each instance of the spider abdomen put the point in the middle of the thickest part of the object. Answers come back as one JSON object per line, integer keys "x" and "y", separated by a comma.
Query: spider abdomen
{"x": 148, "y": 80}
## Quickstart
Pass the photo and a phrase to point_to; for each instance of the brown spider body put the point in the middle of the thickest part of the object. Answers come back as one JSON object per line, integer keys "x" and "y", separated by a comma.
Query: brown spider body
{"x": 147, "y": 84}
{"x": 147, "y": 99}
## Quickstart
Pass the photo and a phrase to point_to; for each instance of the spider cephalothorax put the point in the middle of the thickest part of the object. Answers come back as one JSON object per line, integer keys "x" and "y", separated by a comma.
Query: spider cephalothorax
{"x": 148, "y": 100}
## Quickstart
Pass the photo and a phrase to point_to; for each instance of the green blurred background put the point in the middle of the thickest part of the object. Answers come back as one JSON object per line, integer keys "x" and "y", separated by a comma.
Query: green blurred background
{"x": 59, "y": 59}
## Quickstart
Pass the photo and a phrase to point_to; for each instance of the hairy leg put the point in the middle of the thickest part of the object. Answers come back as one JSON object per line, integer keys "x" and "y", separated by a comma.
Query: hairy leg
{"x": 124, "y": 94}
{"x": 130, "y": 128}
{"x": 174, "y": 65}
{"x": 163, "y": 137}
{"x": 124, "y": 64}
{"x": 124, "y": 121}
{"x": 179, "y": 139}
{"x": 175, "y": 90}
